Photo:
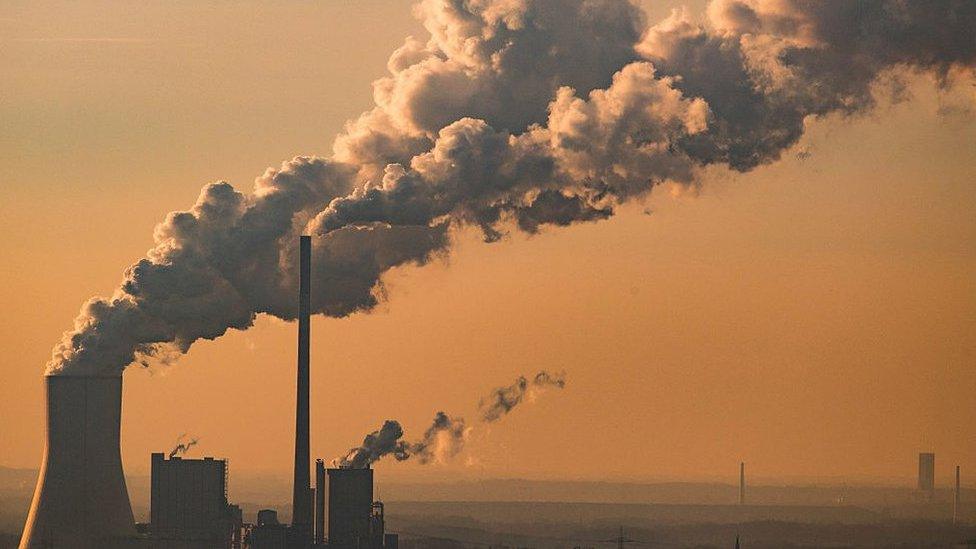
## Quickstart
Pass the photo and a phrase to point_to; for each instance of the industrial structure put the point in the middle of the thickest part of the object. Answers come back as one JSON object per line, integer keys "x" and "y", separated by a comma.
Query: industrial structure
{"x": 300, "y": 535}
{"x": 81, "y": 500}
{"x": 188, "y": 503}
{"x": 926, "y": 474}
{"x": 268, "y": 533}
{"x": 350, "y": 507}
{"x": 742, "y": 482}
{"x": 956, "y": 499}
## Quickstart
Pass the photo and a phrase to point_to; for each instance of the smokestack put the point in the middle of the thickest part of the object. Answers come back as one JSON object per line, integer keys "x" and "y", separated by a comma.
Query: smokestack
{"x": 956, "y": 498}
{"x": 81, "y": 499}
{"x": 319, "y": 502}
{"x": 742, "y": 482}
{"x": 301, "y": 521}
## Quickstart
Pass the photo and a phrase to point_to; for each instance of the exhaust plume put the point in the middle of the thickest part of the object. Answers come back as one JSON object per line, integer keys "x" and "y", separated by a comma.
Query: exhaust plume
{"x": 442, "y": 440}
{"x": 511, "y": 113}
{"x": 182, "y": 447}
{"x": 501, "y": 401}
{"x": 446, "y": 436}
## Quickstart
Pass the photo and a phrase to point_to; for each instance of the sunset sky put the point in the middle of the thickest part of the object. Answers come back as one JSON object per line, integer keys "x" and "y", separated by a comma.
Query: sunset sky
{"x": 815, "y": 317}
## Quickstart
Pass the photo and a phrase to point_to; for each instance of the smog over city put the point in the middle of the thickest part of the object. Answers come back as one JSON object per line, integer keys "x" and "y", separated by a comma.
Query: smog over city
{"x": 488, "y": 273}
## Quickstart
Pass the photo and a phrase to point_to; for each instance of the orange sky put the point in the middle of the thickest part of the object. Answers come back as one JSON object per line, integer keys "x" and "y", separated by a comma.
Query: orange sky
{"x": 815, "y": 318}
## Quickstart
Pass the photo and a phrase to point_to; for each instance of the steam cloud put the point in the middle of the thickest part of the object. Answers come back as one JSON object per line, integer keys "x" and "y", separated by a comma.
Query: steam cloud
{"x": 521, "y": 113}
{"x": 182, "y": 447}
{"x": 503, "y": 399}
{"x": 446, "y": 436}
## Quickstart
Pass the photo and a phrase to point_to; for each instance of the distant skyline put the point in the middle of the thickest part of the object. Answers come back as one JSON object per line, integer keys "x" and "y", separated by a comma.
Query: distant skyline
{"x": 815, "y": 318}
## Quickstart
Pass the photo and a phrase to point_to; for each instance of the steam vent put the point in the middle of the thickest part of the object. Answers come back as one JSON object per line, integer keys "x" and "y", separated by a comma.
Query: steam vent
{"x": 81, "y": 499}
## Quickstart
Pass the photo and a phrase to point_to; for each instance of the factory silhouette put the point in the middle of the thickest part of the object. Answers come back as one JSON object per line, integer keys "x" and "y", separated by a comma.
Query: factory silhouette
{"x": 81, "y": 500}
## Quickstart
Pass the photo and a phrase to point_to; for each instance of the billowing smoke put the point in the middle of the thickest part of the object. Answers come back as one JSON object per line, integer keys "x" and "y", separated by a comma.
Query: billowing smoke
{"x": 511, "y": 113}
{"x": 502, "y": 400}
{"x": 444, "y": 439}
{"x": 182, "y": 446}
{"x": 446, "y": 436}
{"x": 382, "y": 442}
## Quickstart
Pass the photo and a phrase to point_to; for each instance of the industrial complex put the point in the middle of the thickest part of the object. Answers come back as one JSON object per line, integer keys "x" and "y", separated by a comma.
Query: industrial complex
{"x": 81, "y": 500}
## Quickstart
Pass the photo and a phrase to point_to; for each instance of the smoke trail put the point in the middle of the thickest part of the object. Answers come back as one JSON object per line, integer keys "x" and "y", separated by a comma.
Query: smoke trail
{"x": 444, "y": 439}
{"x": 182, "y": 447}
{"x": 501, "y": 401}
{"x": 382, "y": 442}
{"x": 446, "y": 436}
{"x": 521, "y": 113}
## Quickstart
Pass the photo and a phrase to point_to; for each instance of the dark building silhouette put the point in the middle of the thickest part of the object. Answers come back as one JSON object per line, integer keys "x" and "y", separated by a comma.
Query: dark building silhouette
{"x": 268, "y": 533}
{"x": 188, "y": 503}
{"x": 377, "y": 525}
{"x": 350, "y": 507}
{"x": 81, "y": 499}
{"x": 926, "y": 473}
{"x": 355, "y": 520}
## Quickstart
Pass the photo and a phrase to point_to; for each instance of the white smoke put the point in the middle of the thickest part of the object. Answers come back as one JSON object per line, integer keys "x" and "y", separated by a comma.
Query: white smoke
{"x": 446, "y": 436}
{"x": 519, "y": 113}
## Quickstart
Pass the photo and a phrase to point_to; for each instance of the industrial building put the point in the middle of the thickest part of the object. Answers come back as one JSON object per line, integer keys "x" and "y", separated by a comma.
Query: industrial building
{"x": 268, "y": 533}
{"x": 350, "y": 507}
{"x": 188, "y": 503}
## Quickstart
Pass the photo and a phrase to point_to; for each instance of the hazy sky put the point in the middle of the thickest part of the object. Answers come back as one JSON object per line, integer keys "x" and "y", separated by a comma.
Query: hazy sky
{"x": 815, "y": 318}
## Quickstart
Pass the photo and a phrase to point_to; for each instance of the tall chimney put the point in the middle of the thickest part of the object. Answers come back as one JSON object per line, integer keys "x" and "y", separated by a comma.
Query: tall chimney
{"x": 81, "y": 500}
{"x": 742, "y": 482}
{"x": 301, "y": 521}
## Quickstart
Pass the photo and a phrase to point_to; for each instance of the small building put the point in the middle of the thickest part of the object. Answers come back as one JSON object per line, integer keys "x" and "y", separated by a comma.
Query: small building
{"x": 268, "y": 533}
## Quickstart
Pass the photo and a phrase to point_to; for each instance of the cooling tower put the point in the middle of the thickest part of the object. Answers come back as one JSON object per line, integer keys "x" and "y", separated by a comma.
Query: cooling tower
{"x": 81, "y": 500}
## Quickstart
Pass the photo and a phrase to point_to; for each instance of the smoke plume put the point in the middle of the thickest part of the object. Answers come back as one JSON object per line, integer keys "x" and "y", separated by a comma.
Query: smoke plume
{"x": 502, "y": 400}
{"x": 182, "y": 447}
{"x": 446, "y": 436}
{"x": 444, "y": 439}
{"x": 511, "y": 113}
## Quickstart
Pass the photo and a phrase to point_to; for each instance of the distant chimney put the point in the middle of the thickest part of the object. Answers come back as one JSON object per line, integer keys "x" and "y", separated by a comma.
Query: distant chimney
{"x": 956, "y": 499}
{"x": 742, "y": 482}
{"x": 319, "y": 501}
{"x": 301, "y": 521}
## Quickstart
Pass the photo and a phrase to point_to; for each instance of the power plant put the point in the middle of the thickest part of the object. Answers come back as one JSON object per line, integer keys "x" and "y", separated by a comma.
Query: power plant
{"x": 81, "y": 501}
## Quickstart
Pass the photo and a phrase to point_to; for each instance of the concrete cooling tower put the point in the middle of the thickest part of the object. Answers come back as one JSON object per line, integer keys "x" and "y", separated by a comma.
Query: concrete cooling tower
{"x": 81, "y": 499}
